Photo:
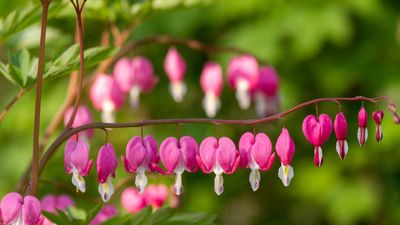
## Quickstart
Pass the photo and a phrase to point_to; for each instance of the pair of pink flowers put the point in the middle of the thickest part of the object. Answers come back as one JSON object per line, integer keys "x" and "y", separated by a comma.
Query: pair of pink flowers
{"x": 15, "y": 209}
{"x": 317, "y": 131}
{"x": 154, "y": 195}
{"x": 77, "y": 162}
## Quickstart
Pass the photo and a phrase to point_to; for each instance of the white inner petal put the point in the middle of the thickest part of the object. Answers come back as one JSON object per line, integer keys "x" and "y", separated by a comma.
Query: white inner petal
{"x": 218, "y": 184}
{"x": 134, "y": 94}
{"x": 178, "y": 187}
{"x": 106, "y": 190}
{"x": 242, "y": 93}
{"x": 140, "y": 180}
{"x": 108, "y": 112}
{"x": 261, "y": 104}
{"x": 254, "y": 179}
{"x": 211, "y": 104}
{"x": 78, "y": 181}
{"x": 18, "y": 220}
{"x": 286, "y": 173}
{"x": 178, "y": 90}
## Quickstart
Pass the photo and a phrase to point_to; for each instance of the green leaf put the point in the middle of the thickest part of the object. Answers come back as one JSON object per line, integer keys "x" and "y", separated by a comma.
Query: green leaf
{"x": 190, "y": 219}
{"x": 56, "y": 218}
{"x": 120, "y": 220}
{"x": 159, "y": 216}
{"x": 76, "y": 213}
{"x": 93, "y": 212}
{"x": 141, "y": 216}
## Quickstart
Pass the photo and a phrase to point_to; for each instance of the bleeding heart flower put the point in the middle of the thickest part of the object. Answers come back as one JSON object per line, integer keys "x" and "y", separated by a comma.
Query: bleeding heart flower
{"x": 362, "y": 132}
{"x": 256, "y": 153}
{"x": 285, "y": 149}
{"x": 178, "y": 157}
{"x": 141, "y": 156}
{"x": 266, "y": 95}
{"x": 106, "y": 96}
{"x": 77, "y": 162}
{"x": 156, "y": 195}
{"x": 105, "y": 213}
{"x": 132, "y": 201}
{"x": 317, "y": 132}
{"x": 218, "y": 156}
{"x": 19, "y": 210}
{"x": 243, "y": 76}
{"x": 378, "y": 117}
{"x": 83, "y": 116}
{"x": 175, "y": 68}
{"x": 211, "y": 81}
{"x": 106, "y": 165}
{"x": 50, "y": 203}
{"x": 340, "y": 127}
{"x": 134, "y": 77}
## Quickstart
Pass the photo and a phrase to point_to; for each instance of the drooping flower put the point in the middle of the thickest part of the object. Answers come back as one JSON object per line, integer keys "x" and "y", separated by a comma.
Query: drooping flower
{"x": 16, "y": 209}
{"x": 266, "y": 94}
{"x": 107, "y": 212}
{"x": 77, "y": 162}
{"x": 317, "y": 132}
{"x": 106, "y": 96}
{"x": 156, "y": 195}
{"x": 83, "y": 116}
{"x": 175, "y": 68}
{"x": 243, "y": 76}
{"x": 256, "y": 154}
{"x": 134, "y": 77}
{"x": 106, "y": 165}
{"x": 285, "y": 149}
{"x": 141, "y": 156}
{"x": 378, "y": 117}
{"x": 52, "y": 203}
{"x": 218, "y": 156}
{"x": 340, "y": 127}
{"x": 179, "y": 156}
{"x": 211, "y": 81}
{"x": 132, "y": 201}
{"x": 362, "y": 132}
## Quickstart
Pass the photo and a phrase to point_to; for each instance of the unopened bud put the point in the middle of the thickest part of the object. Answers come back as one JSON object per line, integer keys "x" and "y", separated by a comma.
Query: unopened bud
{"x": 392, "y": 107}
{"x": 396, "y": 118}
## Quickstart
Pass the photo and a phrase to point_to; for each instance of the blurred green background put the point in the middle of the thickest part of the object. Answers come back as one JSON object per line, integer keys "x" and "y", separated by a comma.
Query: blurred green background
{"x": 340, "y": 48}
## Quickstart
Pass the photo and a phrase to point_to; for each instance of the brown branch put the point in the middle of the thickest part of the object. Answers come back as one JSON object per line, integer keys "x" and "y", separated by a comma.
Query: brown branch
{"x": 12, "y": 102}
{"x": 35, "y": 152}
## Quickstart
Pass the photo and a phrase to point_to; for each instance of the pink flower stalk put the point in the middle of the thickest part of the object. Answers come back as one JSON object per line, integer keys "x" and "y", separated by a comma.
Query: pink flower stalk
{"x": 243, "y": 76}
{"x": 179, "y": 156}
{"x": 50, "y": 203}
{"x": 218, "y": 156}
{"x": 285, "y": 149}
{"x": 77, "y": 162}
{"x": 317, "y": 132}
{"x": 266, "y": 95}
{"x": 156, "y": 195}
{"x": 340, "y": 127}
{"x": 106, "y": 165}
{"x": 141, "y": 156}
{"x": 378, "y": 117}
{"x": 107, "y": 212}
{"x": 362, "y": 132}
{"x": 16, "y": 209}
{"x": 132, "y": 201}
{"x": 106, "y": 96}
{"x": 134, "y": 77}
{"x": 175, "y": 68}
{"x": 83, "y": 116}
{"x": 256, "y": 154}
{"x": 211, "y": 81}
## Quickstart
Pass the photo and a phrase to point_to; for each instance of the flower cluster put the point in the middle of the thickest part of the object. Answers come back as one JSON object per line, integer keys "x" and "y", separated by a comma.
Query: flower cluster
{"x": 136, "y": 75}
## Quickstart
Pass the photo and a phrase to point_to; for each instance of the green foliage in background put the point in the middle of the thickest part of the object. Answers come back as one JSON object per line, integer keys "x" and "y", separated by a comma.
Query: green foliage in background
{"x": 320, "y": 49}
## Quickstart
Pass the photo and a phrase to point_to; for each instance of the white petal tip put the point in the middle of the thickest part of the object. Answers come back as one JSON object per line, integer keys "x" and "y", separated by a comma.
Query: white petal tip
{"x": 134, "y": 94}
{"x": 219, "y": 184}
{"x": 178, "y": 91}
{"x": 254, "y": 179}
{"x": 211, "y": 105}
{"x": 286, "y": 173}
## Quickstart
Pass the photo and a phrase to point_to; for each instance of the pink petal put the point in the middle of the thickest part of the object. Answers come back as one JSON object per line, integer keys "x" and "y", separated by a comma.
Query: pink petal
{"x": 156, "y": 195}
{"x": 151, "y": 146}
{"x": 105, "y": 88}
{"x": 207, "y": 153}
{"x": 143, "y": 73}
{"x": 11, "y": 206}
{"x": 243, "y": 67}
{"x": 132, "y": 201}
{"x": 106, "y": 163}
{"x": 31, "y": 210}
{"x": 378, "y": 116}
{"x": 269, "y": 81}
{"x": 170, "y": 153}
{"x": 64, "y": 201}
{"x": 189, "y": 148}
{"x": 123, "y": 74}
{"x": 226, "y": 154}
{"x": 245, "y": 143}
{"x": 261, "y": 150}
{"x": 317, "y": 131}
{"x": 340, "y": 126}
{"x": 362, "y": 117}
{"x": 211, "y": 79}
{"x": 80, "y": 156}
{"x": 285, "y": 147}
{"x": 136, "y": 153}
{"x": 174, "y": 65}
{"x": 48, "y": 203}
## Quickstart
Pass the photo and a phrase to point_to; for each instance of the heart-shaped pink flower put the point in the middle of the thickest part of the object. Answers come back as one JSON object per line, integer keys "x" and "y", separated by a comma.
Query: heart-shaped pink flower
{"x": 256, "y": 153}
{"x": 362, "y": 132}
{"x": 285, "y": 149}
{"x": 219, "y": 156}
{"x": 106, "y": 165}
{"x": 16, "y": 209}
{"x": 178, "y": 157}
{"x": 141, "y": 156}
{"x": 317, "y": 132}
{"x": 340, "y": 127}
{"x": 378, "y": 117}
